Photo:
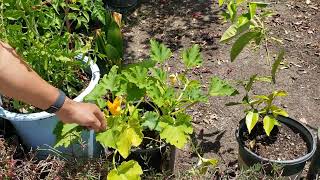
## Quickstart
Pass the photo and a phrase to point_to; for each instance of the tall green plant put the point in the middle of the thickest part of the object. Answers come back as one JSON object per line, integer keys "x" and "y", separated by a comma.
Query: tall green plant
{"x": 248, "y": 25}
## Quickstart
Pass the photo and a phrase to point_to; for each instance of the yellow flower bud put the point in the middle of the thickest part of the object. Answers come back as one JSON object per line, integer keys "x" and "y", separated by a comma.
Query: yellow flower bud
{"x": 173, "y": 79}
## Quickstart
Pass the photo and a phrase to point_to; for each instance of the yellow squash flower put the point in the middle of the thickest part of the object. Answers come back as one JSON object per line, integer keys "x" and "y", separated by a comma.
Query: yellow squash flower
{"x": 115, "y": 107}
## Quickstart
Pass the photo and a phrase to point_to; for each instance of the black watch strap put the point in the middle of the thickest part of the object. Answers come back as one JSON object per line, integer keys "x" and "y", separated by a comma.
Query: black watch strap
{"x": 58, "y": 103}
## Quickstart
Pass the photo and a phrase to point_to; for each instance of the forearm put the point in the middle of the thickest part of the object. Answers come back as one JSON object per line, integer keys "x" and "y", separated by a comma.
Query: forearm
{"x": 20, "y": 82}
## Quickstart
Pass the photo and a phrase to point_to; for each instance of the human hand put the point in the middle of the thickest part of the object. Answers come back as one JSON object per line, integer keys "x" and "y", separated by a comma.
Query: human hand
{"x": 84, "y": 114}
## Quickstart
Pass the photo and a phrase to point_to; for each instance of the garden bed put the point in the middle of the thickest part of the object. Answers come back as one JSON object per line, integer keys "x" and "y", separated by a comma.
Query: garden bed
{"x": 179, "y": 24}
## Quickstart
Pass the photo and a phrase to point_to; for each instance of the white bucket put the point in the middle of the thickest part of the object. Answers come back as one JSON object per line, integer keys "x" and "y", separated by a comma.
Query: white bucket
{"x": 36, "y": 129}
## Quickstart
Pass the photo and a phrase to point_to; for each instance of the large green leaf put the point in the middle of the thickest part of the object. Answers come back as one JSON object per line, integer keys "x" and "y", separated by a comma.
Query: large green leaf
{"x": 155, "y": 91}
{"x": 191, "y": 57}
{"x": 96, "y": 94}
{"x": 218, "y": 87}
{"x": 276, "y": 65}
{"x": 159, "y": 52}
{"x": 241, "y": 42}
{"x": 133, "y": 92}
{"x": 159, "y": 74}
{"x": 151, "y": 120}
{"x": 112, "y": 80}
{"x": 176, "y": 132}
{"x": 130, "y": 170}
{"x": 193, "y": 92}
{"x": 268, "y": 123}
{"x": 138, "y": 76}
{"x": 251, "y": 120}
{"x": 112, "y": 53}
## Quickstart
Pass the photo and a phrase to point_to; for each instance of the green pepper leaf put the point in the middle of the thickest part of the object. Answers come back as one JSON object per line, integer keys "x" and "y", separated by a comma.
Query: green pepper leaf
{"x": 252, "y": 119}
{"x": 241, "y": 42}
{"x": 268, "y": 123}
{"x": 275, "y": 65}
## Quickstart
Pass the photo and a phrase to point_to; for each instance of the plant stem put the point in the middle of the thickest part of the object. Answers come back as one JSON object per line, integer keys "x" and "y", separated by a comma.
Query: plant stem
{"x": 153, "y": 107}
{"x": 183, "y": 109}
{"x": 135, "y": 108}
{"x": 184, "y": 89}
{"x": 114, "y": 159}
{"x": 152, "y": 139}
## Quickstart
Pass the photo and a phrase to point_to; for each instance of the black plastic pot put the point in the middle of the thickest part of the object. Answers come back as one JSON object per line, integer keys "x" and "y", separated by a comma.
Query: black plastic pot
{"x": 290, "y": 168}
{"x": 314, "y": 170}
{"x": 159, "y": 159}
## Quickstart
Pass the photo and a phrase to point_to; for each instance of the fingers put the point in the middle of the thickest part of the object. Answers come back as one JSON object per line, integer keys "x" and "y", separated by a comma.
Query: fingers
{"x": 101, "y": 118}
{"x": 94, "y": 124}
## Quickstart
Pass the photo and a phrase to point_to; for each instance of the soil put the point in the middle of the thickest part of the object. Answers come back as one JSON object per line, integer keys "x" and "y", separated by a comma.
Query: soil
{"x": 180, "y": 23}
{"x": 283, "y": 143}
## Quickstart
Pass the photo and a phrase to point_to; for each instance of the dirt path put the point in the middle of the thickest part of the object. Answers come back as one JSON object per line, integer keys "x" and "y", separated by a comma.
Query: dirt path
{"x": 179, "y": 23}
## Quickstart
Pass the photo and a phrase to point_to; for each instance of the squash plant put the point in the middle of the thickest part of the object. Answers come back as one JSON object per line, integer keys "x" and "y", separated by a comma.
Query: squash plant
{"x": 120, "y": 94}
{"x": 50, "y": 34}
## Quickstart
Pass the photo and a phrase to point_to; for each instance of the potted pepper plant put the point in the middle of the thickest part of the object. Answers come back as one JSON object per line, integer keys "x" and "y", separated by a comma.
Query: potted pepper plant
{"x": 55, "y": 39}
{"x": 145, "y": 109}
{"x": 266, "y": 135}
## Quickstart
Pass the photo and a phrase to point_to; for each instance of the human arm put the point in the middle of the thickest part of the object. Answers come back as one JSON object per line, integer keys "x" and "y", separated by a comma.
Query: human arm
{"x": 19, "y": 81}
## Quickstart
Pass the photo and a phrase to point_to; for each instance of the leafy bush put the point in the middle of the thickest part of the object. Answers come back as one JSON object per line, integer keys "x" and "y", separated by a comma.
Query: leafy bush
{"x": 149, "y": 83}
{"x": 49, "y": 34}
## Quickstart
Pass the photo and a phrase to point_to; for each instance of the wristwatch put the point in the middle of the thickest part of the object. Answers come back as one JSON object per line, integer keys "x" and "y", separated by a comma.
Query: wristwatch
{"x": 58, "y": 103}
